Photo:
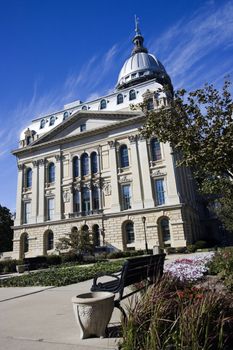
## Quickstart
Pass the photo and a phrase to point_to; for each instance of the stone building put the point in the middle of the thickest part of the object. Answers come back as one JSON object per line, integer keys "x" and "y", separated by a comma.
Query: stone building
{"x": 87, "y": 166}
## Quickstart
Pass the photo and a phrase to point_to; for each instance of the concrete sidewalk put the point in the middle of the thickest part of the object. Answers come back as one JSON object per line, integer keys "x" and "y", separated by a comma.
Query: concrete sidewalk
{"x": 45, "y": 320}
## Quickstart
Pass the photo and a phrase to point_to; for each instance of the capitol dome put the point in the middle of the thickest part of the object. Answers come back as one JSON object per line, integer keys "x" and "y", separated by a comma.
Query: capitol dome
{"x": 141, "y": 66}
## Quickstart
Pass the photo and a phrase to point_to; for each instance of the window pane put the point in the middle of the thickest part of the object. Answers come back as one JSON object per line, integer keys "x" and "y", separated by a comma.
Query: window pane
{"x": 83, "y": 127}
{"x": 85, "y": 200}
{"x": 75, "y": 167}
{"x": 85, "y": 164}
{"x": 50, "y": 209}
{"x": 51, "y": 173}
{"x": 95, "y": 198}
{"x": 103, "y": 104}
{"x": 94, "y": 164}
{"x": 76, "y": 202}
{"x": 126, "y": 197}
{"x": 29, "y": 178}
{"x": 132, "y": 95}
{"x": 165, "y": 230}
{"x": 50, "y": 240}
{"x": 159, "y": 192}
{"x": 119, "y": 99}
{"x": 129, "y": 229}
{"x": 124, "y": 157}
{"x": 155, "y": 150}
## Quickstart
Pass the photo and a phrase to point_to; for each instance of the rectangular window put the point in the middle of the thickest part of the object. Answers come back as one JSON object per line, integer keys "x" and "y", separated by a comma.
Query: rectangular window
{"x": 76, "y": 202}
{"x": 50, "y": 208}
{"x": 159, "y": 192}
{"x": 83, "y": 127}
{"x": 27, "y": 212}
{"x": 126, "y": 197}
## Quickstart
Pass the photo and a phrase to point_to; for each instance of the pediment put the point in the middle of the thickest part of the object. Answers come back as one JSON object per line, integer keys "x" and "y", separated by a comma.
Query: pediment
{"x": 74, "y": 125}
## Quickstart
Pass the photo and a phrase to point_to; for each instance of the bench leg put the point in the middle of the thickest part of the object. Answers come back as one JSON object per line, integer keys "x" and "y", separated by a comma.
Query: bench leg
{"x": 118, "y": 306}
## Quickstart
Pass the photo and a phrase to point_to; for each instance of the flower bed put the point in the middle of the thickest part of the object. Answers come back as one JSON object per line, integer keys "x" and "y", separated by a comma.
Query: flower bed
{"x": 189, "y": 269}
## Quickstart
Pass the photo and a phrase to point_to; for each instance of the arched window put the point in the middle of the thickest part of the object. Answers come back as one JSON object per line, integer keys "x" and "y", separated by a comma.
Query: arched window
{"x": 96, "y": 235}
{"x": 120, "y": 99}
{"x": 94, "y": 163}
{"x": 165, "y": 230}
{"x": 84, "y": 108}
{"x": 42, "y": 123}
{"x": 124, "y": 157}
{"x": 103, "y": 104}
{"x": 75, "y": 167}
{"x": 50, "y": 240}
{"x": 29, "y": 177}
{"x": 129, "y": 232}
{"x": 84, "y": 164}
{"x": 86, "y": 200}
{"x": 95, "y": 198}
{"x": 132, "y": 95}
{"x": 52, "y": 120}
{"x": 155, "y": 149}
{"x": 85, "y": 228}
{"x": 51, "y": 173}
{"x": 65, "y": 115}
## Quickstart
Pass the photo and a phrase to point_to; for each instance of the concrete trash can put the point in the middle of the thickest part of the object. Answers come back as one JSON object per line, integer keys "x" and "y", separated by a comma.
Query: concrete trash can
{"x": 93, "y": 312}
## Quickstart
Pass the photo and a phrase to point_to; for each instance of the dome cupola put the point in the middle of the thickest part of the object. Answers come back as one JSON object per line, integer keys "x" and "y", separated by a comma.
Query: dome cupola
{"x": 141, "y": 65}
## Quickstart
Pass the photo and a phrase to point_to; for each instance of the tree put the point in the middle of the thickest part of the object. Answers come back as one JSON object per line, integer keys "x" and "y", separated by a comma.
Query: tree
{"x": 78, "y": 242}
{"x": 6, "y": 233}
{"x": 199, "y": 127}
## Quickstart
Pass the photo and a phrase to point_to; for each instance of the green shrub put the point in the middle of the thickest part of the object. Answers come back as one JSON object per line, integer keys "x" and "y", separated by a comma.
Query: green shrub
{"x": 222, "y": 265}
{"x": 53, "y": 260}
{"x": 70, "y": 257}
{"x": 191, "y": 248}
{"x": 201, "y": 244}
{"x": 124, "y": 254}
{"x": 7, "y": 266}
{"x": 61, "y": 276}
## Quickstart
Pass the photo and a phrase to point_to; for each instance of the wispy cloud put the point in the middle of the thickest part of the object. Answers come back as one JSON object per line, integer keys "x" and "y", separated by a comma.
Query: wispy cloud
{"x": 184, "y": 47}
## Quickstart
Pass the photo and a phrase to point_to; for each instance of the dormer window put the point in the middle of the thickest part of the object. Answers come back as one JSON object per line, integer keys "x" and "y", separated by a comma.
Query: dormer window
{"x": 84, "y": 108}
{"x": 42, "y": 123}
{"x": 103, "y": 104}
{"x": 120, "y": 99}
{"x": 65, "y": 115}
{"x": 52, "y": 120}
{"x": 132, "y": 95}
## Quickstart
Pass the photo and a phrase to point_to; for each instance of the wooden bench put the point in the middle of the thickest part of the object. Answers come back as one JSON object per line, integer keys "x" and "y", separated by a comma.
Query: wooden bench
{"x": 145, "y": 268}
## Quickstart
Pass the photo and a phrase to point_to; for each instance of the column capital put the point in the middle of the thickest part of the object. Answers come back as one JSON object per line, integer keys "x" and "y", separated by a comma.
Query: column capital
{"x": 20, "y": 166}
{"x": 112, "y": 144}
{"x": 58, "y": 157}
{"x": 41, "y": 162}
{"x": 133, "y": 138}
{"x": 35, "y": 163}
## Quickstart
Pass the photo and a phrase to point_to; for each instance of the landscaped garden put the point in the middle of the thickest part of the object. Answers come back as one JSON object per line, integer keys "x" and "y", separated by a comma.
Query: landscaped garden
{"x": 183, "y": 311}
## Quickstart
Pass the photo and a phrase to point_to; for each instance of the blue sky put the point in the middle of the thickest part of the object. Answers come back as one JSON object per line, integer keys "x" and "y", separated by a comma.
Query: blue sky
{"x": 56, "y": 51}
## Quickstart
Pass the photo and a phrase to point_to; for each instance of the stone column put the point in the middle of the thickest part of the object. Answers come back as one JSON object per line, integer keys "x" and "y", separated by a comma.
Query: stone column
{"x": 137, "y": 183}
{"x": 41, "y": 187}
{"x": 34, "y": 192}
{"x": 57, "y": 214}
{"x": 71, "y": 210}
{"x": 18, "y": 218}
{"x": 145, "y": 171}
{"x": 172, "y": 192}
{"x": 114, "y": 180}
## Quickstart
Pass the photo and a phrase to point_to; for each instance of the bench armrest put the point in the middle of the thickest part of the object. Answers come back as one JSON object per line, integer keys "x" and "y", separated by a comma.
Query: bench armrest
{"x": 116, "y": 275}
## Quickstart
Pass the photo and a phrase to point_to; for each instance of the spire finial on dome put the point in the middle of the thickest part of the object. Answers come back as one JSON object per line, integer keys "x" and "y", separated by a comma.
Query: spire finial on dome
{"x": 137, "y": 30}
{"x": 138, "y": 39}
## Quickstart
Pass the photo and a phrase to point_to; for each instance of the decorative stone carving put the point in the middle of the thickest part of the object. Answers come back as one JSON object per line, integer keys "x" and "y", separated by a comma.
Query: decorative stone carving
{"x": 107, "y": 189}
{"x": 77, "y": 187}
{"x": 125, "y": 179}
{"x": 58, "y": 157}
{"x": 20, "y": 166}
{"x": 93, "y": 312}
{"x": 41, "y": 162}
{"x": 112, "y": 144}
{"x": 132, "y": 138}
{"x": 158, "y": 172}
{"x": 66, "y": 196}
{"x": 35, "y": 163}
